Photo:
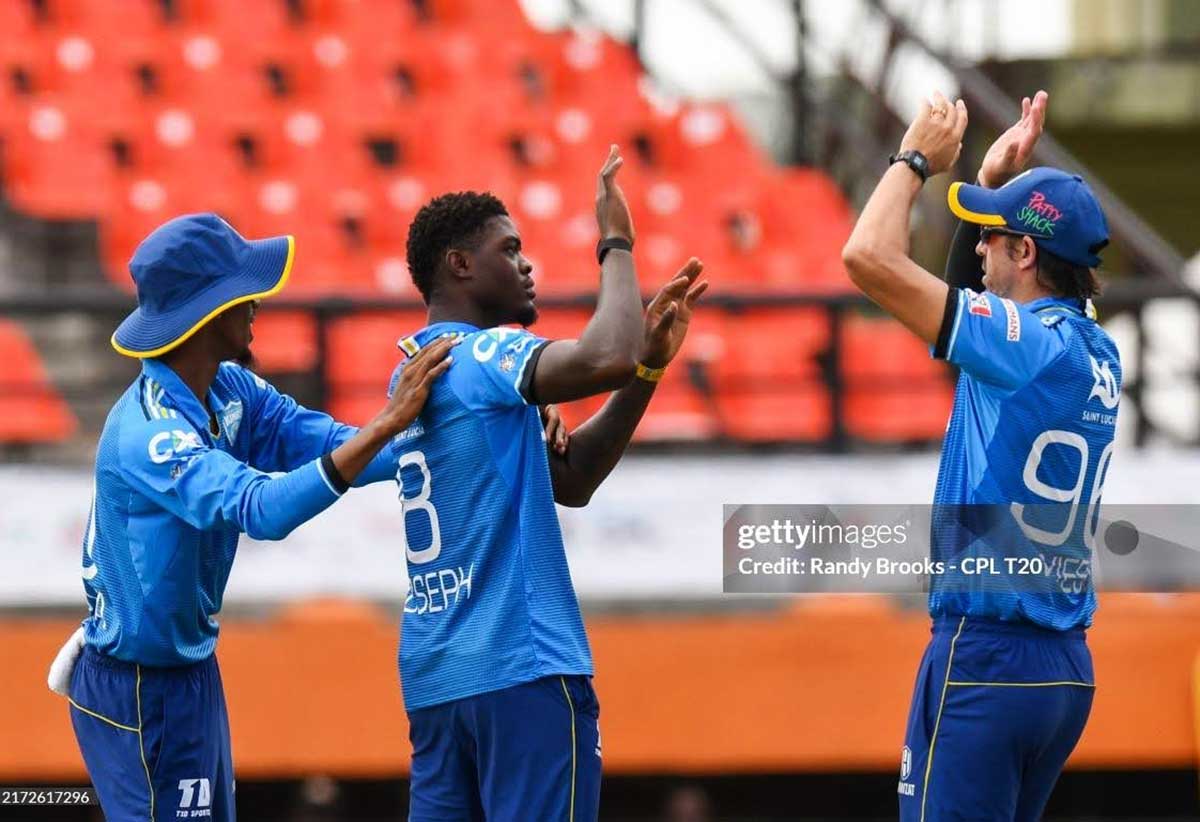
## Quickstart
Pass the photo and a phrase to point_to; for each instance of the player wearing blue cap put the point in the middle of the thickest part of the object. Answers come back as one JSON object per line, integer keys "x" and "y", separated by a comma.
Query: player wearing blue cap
{"x": 181, "y": 470}
{"x": 1006, "y": 683}
{"x": 494, "y": 661}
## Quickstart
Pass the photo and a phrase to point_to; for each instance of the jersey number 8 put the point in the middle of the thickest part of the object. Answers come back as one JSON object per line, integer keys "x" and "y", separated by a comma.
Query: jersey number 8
{"x": 420, "y": 502}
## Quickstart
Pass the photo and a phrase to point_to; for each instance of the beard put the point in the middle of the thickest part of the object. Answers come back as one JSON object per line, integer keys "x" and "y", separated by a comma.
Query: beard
{"x": 527, "y": 315}
{"x": 245, "y": 358}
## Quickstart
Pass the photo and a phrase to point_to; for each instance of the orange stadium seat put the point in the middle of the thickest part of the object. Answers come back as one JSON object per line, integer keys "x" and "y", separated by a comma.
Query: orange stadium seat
{"x": 894, "y": 389}
{"x": 285, "y": 341}
{"x": 362, "y": 356}
{"x": 31, "y": 411}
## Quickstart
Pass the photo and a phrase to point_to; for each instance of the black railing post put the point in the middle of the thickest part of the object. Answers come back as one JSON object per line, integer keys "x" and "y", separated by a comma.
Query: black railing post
{"x": 798, "y": 88}
{"x": 838, "y": 439}
{"x": 639, "y": 30}
{"x": 321, "y": 315}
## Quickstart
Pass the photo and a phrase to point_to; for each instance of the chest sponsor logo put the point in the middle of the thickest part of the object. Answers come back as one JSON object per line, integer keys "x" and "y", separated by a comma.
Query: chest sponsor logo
{"x": 166, "y": 444}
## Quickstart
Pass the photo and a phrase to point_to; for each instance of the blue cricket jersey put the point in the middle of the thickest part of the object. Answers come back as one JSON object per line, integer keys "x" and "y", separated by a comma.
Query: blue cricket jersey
{"x": 1024, "y": 458}
{"x": 490, "y": 602}
{"x": 171, "y": 498}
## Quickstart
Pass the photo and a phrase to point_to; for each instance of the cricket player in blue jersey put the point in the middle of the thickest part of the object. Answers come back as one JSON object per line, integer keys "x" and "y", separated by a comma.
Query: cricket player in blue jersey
{"x": 1006, "y": 684}
{"x": 494, "y": 661}
{"x": 196, "y": 451}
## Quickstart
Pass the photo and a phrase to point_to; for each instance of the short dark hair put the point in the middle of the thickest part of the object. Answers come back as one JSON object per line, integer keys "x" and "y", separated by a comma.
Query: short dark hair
{"x": 1062, "y": 277}
{"x": 447, "y": 221}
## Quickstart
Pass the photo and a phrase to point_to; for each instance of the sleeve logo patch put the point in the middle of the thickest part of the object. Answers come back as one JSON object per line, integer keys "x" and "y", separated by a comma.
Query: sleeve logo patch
{"x": 1014, "y": 320}
{"x": 978, "y": 304}
{"x": 507, "y": 362}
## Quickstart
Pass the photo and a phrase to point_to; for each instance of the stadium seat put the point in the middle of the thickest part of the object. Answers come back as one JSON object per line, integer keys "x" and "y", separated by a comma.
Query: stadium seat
{"x": 767, "y": 413}
{"x": 285, "y": 341}
{"x": 31, "y": 411}
{"x": 894, "y": 390}
{"x": 362, "y": 355}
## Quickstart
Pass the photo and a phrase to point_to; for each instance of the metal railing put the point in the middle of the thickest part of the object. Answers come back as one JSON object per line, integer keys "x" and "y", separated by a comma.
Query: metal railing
{"x": 90, "y": 376}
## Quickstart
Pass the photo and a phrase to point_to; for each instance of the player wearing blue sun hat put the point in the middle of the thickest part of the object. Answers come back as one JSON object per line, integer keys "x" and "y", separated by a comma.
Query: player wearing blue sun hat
{"x": 1005, "y": 687}
{"x": 197, "y": 451}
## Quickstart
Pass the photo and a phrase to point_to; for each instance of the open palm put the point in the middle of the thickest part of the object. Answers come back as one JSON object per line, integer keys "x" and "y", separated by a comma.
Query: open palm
{"x": 669, "y": 313}
{"x": 1010, "y": 153}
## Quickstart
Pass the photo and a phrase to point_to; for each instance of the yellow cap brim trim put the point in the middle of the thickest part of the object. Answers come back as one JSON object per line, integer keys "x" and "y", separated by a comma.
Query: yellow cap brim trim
{"x": 964, "y": 213}
{"x": 158, "y": 352}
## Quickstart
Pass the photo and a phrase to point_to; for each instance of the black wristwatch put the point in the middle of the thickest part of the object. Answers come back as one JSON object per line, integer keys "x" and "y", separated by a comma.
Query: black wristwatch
{"x": 604, "y": 246}
{"x": 914, "y": 160}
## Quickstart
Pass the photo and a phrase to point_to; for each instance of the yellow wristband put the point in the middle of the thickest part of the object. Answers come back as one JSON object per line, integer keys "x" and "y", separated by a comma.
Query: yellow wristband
{"x": 645, "y": 372}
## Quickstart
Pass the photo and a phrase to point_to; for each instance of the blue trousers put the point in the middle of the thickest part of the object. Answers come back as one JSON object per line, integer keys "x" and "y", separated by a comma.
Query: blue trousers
{"x": 997, "y": 709}
{"x": 527, "y": 752}
{"x": 155, "y": 740}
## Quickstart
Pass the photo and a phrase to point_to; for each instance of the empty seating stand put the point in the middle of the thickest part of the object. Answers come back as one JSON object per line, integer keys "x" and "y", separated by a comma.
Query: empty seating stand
{"x": 31, "y": 411}
{"x": 334, "y": 120}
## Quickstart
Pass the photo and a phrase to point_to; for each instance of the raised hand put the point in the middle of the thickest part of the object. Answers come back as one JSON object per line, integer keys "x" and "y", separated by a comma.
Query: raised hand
{"x": 413, "y": 387}
{"x": 1009, "y": 155}
{"x": 668, "y": 315}
{"x": 612, "y": 211}
{"x": 937, "y": 132}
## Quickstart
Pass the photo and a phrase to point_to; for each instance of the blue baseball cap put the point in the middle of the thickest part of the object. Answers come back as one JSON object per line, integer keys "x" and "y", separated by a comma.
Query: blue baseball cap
{"x": 189, "y": 270}
{"x": 1056, "y": 209}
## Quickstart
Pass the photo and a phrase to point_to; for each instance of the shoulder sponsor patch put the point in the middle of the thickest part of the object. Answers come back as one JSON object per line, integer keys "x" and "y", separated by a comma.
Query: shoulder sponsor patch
{"x": 978, "y": 304}
{"x": 1014, "y": 320}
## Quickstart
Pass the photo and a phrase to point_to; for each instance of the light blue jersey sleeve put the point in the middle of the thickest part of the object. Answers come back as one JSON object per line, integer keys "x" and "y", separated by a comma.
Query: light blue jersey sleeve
{"x": 169, "y": 463}
{"x": 997, "y": 341}
{"x": 285, "y": 435}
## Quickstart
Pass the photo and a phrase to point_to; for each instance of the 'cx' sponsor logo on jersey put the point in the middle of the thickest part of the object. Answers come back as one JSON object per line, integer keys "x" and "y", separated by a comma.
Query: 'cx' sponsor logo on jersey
{"x": 1106, "y": 389}
{"x": 179, "y": 441}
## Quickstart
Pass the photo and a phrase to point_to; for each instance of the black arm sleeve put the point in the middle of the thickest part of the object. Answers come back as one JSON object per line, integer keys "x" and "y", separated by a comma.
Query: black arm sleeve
{"x": 963, "y": 266}
{"x": 941, "y": 346}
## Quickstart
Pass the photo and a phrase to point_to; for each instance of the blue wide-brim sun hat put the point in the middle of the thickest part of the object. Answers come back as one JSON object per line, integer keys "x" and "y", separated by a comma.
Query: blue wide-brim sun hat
{"x": 189, "y": 270}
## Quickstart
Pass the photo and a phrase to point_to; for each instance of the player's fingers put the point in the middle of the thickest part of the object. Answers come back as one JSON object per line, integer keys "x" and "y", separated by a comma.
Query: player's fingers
{"x": 611, "y": 163}
{"x": 677, "y": 286}
{"x": 694, "y": 293}
{"x": 427, "y": 358}
{"x": 1026, "y": 107}
{"x": 1037, "y": 113}
{"x": 660, "y": 299}
{"x": 939, "y": 103}
{"x": 960, "y": 123}
{"x": 691, "y": 269}
{"x": 436, "y": 372}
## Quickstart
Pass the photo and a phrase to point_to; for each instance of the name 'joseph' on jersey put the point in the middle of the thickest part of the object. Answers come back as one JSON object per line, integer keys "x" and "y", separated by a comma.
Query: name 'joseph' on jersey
{"x": 490, "y": 602}
{"x": 1027, "y": 449}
